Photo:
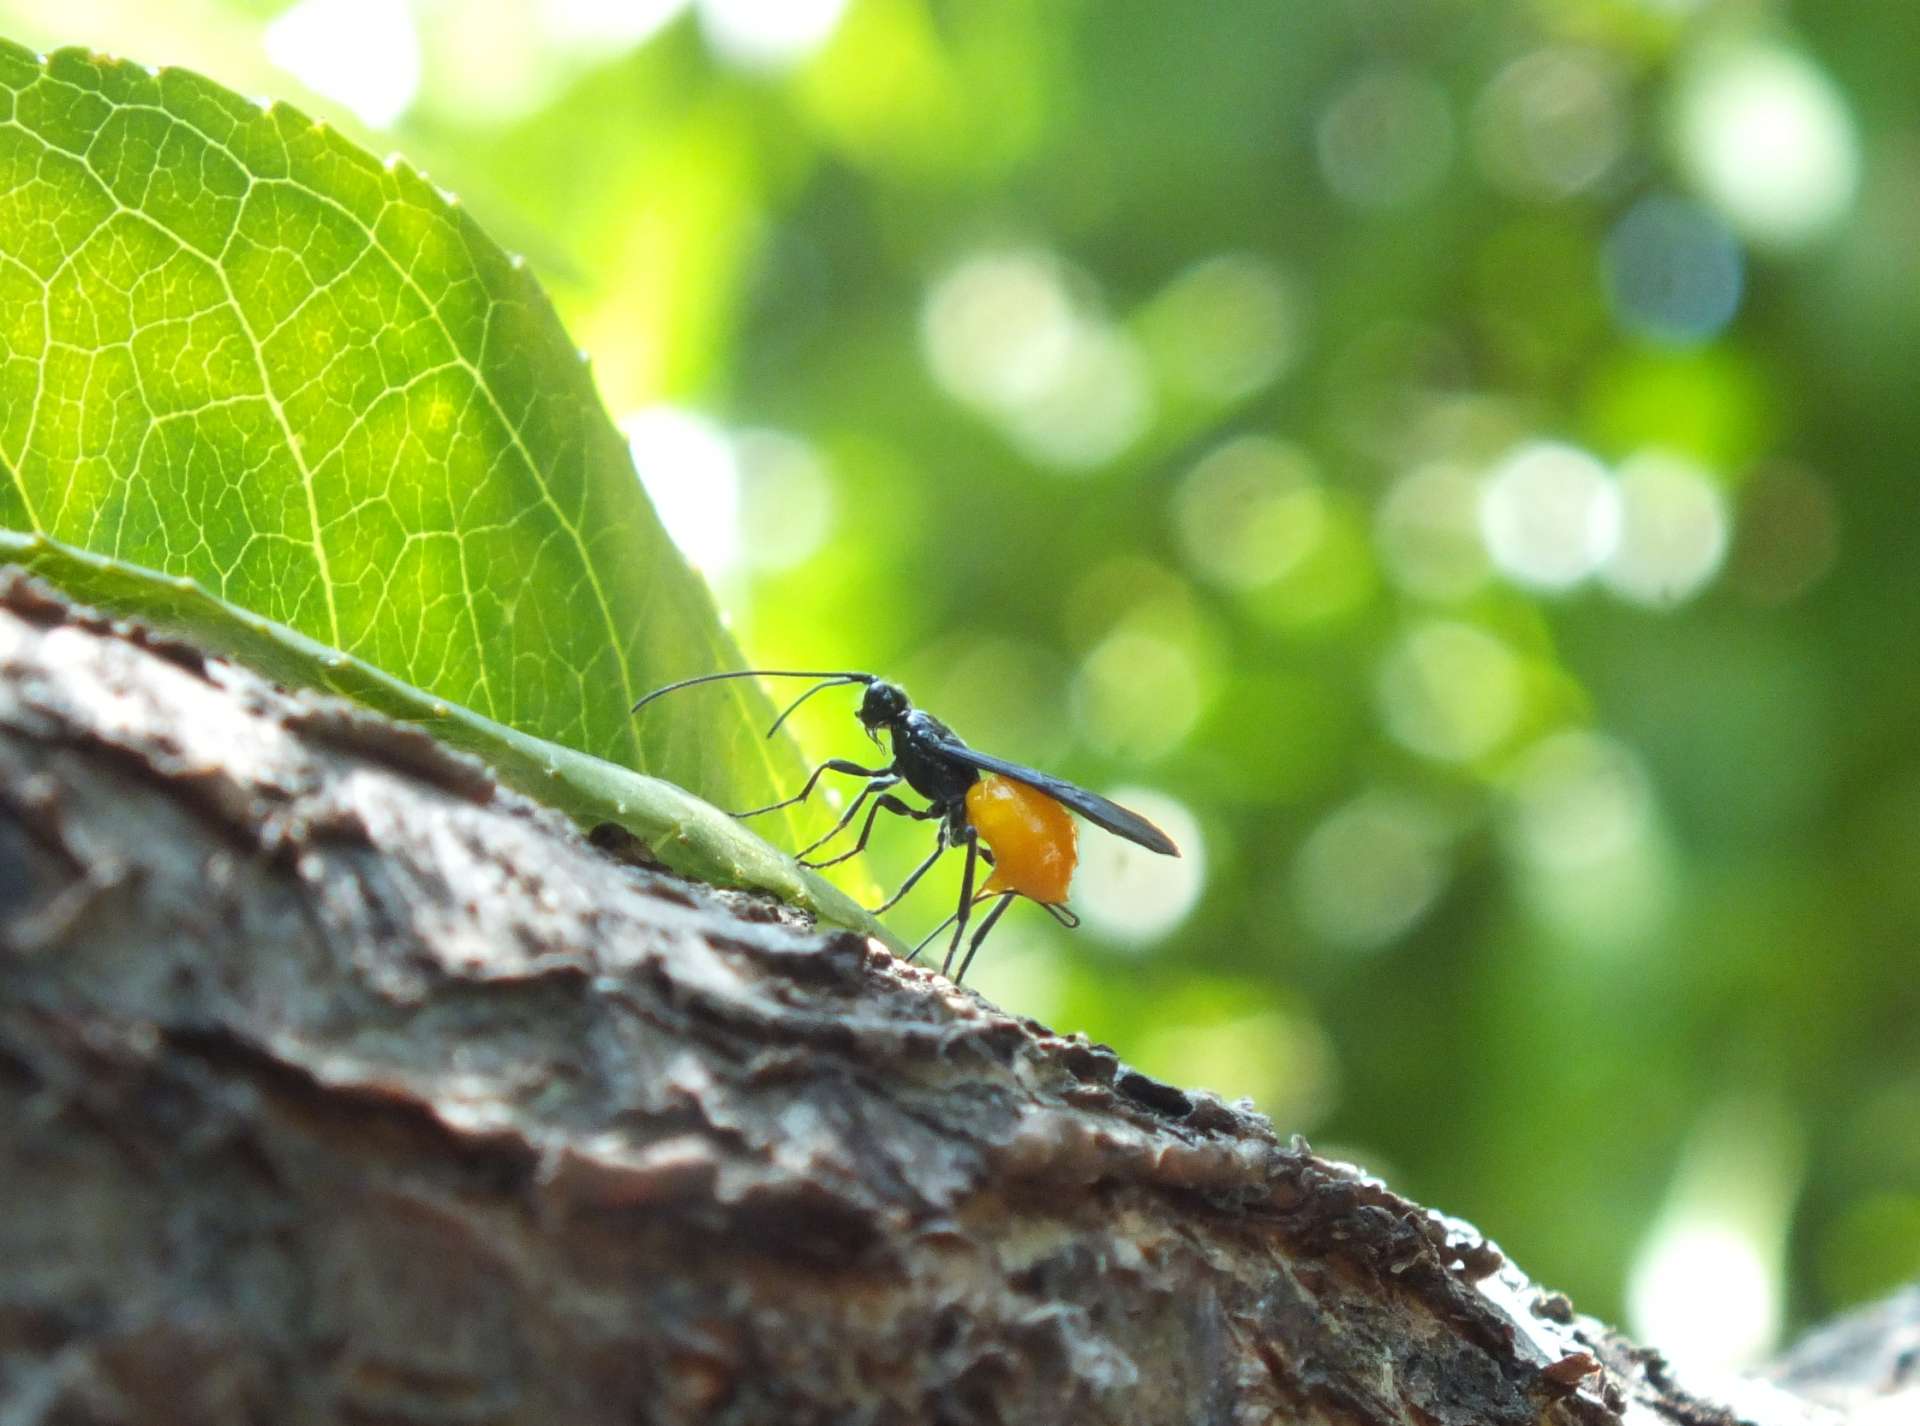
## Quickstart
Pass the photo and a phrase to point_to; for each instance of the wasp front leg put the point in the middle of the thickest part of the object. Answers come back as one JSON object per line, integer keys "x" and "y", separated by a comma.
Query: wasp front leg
{"x": 830, "y": 765}
{"x": 885, "y": 803}
{"x": 879, "y": 784}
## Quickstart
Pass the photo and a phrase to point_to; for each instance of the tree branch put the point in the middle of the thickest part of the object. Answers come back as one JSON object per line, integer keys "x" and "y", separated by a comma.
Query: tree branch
{"x": 340, "y": 1086}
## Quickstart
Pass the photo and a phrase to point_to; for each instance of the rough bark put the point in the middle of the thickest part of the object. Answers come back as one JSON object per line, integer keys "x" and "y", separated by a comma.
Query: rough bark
{"x": 337, "y": 1085}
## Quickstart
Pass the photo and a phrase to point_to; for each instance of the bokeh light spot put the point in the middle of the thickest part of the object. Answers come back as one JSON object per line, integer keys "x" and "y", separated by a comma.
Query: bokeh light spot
{"x": 1370, "y": 871}
{"x": 1701, "y": 1291}
{"x": 1138, "y": 693}
{"x": 768, "y": 34}
{"x": 1332, "y": 584}
{"x": 1223, "y": 329}
{"x": 1768, "y": 139}
{"x": 1450, "y": 691}
{"x": 1003, "y": 333}
{"x": 1705, "y": 1286}
{"x": 364, "y": 54}
{"x": 786, "y": 499}
{"x": 1428, "y": 532}
{"x": 997, "y": 328}
{"x": 1673, "y": 531}
{"x": 1582, "y": 826}
{"x": 1098, "y": 404}
{"x": 1129, "y": 893}
{"x": 1674, "y": 273}
{"x": 1549, "y": 514}
{"x": 687, "y": 464}
{"x": 605, "y": 24}
{"x": 1552, "y": 123}
{"x": 1579, "y": 800}
{"x": 1387, "y": 138}
{"x": 1249, "y": 512}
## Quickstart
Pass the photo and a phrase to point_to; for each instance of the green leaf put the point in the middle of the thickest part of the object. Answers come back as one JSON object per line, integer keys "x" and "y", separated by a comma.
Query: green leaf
{"x": 687, "y": 834}
{"x": 237, "y": 349}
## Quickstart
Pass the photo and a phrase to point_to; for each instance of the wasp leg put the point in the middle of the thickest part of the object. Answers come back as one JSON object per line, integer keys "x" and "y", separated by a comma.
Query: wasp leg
{"x": 879, "y": 784}
{"x": 972, "y": 839}
{"x": 934, "y": 935}
{"x": 885, "y": 803}
{"x": 830, "y": 765}
{"x": 986, "y": 925}
{"x": 939, "y": 850}
{"x": 930, "y": 938}
{"x": 1060, "y": 913}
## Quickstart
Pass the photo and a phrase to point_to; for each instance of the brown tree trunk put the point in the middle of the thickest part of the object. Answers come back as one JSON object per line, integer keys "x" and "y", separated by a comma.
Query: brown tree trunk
{"x": 337, "y": 1085}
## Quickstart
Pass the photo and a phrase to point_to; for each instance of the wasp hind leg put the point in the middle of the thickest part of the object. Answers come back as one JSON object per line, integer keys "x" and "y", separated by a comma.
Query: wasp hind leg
{"x": 1055, "y": 909}
{"x": 1058, "y": 910}
{"x": 986, "y": 925}
{"x": 967, "y": 898}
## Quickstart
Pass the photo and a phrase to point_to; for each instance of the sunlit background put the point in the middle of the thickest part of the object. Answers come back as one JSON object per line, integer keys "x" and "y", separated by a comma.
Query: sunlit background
{"x": 1451, "y": 464}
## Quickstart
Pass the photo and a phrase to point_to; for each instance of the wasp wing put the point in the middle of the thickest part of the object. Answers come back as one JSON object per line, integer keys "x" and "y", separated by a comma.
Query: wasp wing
{"x": 1106, "y": 815}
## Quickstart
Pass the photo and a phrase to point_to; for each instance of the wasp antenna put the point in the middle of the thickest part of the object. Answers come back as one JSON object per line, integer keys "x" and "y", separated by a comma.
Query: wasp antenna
{"x": 841, "y": 676}
{"x": 817, "y": 688}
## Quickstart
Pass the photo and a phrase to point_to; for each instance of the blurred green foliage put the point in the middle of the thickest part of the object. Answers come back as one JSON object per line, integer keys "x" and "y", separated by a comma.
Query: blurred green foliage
{"x": 1451, "y": 457}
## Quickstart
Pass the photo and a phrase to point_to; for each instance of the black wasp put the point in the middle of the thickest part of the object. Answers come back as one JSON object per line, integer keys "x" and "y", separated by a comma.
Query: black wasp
{"x": 1012, "y": 817}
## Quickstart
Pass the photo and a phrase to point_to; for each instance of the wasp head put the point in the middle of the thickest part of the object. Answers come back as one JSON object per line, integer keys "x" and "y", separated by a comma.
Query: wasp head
{"x": 884, "y": 706}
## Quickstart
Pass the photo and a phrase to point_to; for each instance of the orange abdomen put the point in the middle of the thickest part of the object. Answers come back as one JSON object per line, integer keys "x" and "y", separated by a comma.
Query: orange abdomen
{"x": 1032, "y": 837}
